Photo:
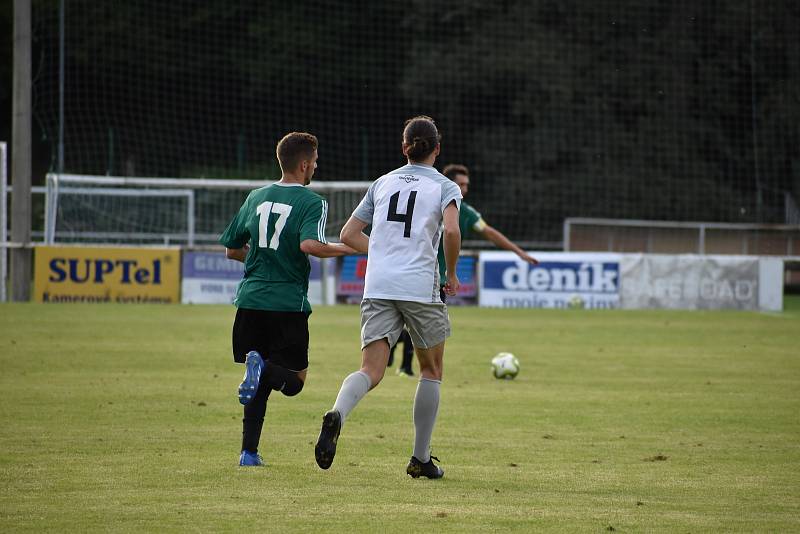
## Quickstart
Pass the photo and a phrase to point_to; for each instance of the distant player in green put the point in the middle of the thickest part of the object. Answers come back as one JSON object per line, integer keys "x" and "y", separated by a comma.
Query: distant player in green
{"x": 470, "y": 220}
{"x": 273, "y": 233}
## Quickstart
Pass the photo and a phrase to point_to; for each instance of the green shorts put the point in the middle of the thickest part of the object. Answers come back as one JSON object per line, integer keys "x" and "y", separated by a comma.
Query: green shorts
{"x": 428, "y": 323}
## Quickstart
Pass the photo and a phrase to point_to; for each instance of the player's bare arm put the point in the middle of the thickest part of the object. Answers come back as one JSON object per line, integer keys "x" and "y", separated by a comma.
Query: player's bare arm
{"x": 353, "y": 235}
{"x": 238, "y": 254}
{"x": 501, "y": 241}
{"x": 325, "y": 250}
{"x": 452, "y": 247}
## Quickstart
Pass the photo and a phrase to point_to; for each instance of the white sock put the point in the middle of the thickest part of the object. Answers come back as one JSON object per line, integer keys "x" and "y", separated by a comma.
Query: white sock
{"x": 353, "y": 389}
{"x": 426, "y": 406}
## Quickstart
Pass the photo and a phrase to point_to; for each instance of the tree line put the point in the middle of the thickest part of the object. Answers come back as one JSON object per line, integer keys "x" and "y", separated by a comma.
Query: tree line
{"x": 653, "y": 110}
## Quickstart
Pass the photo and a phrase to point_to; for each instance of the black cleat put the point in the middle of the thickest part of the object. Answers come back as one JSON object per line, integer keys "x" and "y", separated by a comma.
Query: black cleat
{"x": 328, "y": 436}
{"x": 417, "y": 469}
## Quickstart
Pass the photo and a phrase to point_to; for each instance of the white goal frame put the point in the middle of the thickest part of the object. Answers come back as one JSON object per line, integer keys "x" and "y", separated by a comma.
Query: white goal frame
{"x": 58, "y": 185}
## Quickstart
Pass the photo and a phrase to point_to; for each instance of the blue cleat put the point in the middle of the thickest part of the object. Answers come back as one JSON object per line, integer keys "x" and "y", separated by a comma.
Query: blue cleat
{"x": 252, "y": 375}
{"x": 250, "y": 459}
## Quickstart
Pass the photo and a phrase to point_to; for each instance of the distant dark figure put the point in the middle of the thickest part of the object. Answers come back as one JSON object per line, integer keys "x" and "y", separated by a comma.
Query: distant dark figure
{"x": 408, "y": 354}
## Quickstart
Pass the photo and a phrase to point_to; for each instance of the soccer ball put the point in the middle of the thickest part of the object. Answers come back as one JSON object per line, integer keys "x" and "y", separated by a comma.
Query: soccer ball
{"x": 505, "y": 365}
{"x": 576, "y": 302}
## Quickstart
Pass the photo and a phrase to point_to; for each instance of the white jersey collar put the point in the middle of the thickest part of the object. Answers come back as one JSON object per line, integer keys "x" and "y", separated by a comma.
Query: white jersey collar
{"x": 424, "y": 166}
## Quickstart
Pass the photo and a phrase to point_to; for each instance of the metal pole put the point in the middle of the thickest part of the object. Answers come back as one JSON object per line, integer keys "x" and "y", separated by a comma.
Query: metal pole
{"x": 21, "y": 154}
{"x": 754, "y": 121}
{"x": 190, "y": 219}
{"x": 110, "y": 166}
{"x": 50, "y": 208}
{"x": 61, "y": 16}
{"x": 3, "y": 221}
{"x": 323, "y": 278}
{"x": 701, "y": 241}
{"x": 364, "y": 153}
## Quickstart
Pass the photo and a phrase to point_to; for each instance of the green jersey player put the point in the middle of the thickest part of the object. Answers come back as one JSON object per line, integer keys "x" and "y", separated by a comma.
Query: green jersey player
{"x": 470, "y": 220}
{"x": 273, "y": 233}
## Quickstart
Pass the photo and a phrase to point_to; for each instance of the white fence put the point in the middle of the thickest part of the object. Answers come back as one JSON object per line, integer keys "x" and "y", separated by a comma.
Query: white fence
{"x": 674, "y": 237}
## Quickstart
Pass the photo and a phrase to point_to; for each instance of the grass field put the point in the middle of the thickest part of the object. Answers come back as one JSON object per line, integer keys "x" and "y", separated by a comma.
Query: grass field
{"x": 125, "y": 418}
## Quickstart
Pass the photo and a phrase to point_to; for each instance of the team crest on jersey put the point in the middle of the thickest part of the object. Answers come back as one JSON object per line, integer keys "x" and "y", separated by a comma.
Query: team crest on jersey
{"x": 408, "y": 178}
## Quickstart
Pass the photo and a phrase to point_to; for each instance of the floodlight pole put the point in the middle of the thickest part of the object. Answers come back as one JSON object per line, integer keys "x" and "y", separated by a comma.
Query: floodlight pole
{"x": 21, "y": 154}
{"x": 754, "y": 120}
{"x": 61, "y": 16}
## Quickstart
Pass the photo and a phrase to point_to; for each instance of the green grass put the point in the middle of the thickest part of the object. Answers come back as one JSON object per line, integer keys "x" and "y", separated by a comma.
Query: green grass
{"x": 125, "y": 418}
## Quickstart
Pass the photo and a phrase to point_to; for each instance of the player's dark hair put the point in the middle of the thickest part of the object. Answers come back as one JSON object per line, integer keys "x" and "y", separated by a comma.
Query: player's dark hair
{"x": 294, "y": 148}
{"x": 454, "y": 169}
{"x": 421, "y": 136}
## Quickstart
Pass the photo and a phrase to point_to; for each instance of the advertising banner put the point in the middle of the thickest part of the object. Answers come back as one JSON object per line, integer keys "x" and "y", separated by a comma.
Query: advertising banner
{"x": 211, "y": 278}
{"x": 350, "y": 286}
{"x": 693, "y": 282}
{"x": 97, "y": 274}
{"x": 315, "y": 280}
{"x": 561, "y": 280}
{"x": 353, "y": 269}
{"x": 466, "y": 269}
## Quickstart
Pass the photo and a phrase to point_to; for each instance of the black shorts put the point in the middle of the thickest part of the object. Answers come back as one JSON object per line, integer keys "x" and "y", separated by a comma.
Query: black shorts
{"x": 281, "y": 337}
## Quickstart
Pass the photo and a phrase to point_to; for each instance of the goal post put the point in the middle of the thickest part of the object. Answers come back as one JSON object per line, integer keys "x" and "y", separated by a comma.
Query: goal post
{"x": 130, "y": 194}
{"x": 3, "y": 220}
{"x": 187, "y": 212}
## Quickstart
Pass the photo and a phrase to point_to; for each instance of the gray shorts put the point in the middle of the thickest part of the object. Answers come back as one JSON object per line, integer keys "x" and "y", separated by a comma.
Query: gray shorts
{"x": 428, "y": 323}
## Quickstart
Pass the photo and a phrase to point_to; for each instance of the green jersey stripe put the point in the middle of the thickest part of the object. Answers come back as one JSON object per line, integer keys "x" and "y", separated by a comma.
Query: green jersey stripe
{"x": 323, "y": 220}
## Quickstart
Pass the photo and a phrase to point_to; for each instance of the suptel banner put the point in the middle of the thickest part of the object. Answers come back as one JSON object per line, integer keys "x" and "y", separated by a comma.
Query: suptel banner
{"x": 107, "y": 274}
{"x": 698, "y": 282}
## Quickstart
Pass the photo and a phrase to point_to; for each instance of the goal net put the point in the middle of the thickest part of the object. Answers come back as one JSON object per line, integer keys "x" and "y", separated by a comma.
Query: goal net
{"x": 169, "y": 211}
{"x": 679, "y": 110}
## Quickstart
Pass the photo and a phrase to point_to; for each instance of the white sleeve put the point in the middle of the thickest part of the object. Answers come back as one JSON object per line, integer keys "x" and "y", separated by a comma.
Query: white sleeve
{"x": 366, "y": 207}
{"x": 450, "y": 192}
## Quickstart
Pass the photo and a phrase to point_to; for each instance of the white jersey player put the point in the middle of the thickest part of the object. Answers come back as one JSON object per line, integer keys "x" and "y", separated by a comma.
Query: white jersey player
{"x": 405, "y": 210}
{"x": 410, "y": 210}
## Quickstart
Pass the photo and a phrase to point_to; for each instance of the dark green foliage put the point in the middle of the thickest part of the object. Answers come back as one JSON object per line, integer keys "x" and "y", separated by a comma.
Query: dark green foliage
{"x": 652, "y": 110}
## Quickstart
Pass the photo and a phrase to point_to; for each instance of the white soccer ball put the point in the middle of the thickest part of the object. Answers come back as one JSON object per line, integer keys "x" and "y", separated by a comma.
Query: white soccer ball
{"x": 576, "y": 302}
{"x": 505, "y": 365}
